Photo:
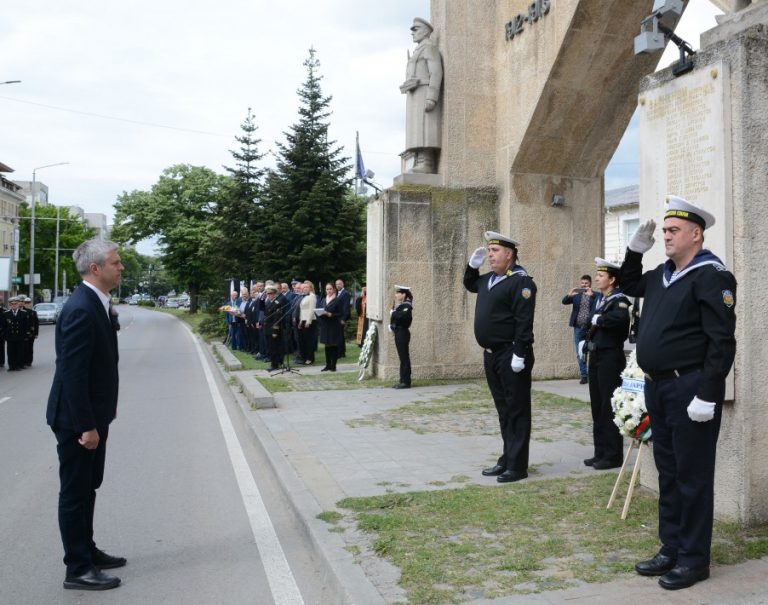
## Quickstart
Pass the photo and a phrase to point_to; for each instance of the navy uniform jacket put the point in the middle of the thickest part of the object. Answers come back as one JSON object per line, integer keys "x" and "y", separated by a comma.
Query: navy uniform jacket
{"x": 84, "y": 391}
{"x": 612, "y": 327}
{"x": 17, "y": 327}
{"x": 690, "y": 322}
{"x": 402, "y": 316}
{"x": 503, "y": 314}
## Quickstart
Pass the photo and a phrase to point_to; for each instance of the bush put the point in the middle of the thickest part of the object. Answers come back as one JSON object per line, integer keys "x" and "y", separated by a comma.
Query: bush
{"x": 213, "y": 326}
{"x": 146, "y": 303}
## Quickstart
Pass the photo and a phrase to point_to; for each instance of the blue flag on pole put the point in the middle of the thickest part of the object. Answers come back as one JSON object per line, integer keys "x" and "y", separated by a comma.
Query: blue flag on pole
{"x": 359, "y": 164}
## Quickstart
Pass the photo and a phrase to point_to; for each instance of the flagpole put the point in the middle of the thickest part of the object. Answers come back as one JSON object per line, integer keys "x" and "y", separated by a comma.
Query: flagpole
{"x": 357, "y": 162}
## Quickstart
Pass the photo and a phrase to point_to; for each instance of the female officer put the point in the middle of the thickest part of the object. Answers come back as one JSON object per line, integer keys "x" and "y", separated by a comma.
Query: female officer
{"x": 399, "y": 322}
{"x": 606, "y": 361}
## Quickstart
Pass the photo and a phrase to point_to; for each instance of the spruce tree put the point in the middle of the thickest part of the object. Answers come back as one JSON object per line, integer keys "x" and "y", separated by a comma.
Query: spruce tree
{"x": 238, "y": 213}
{"x": 313, "y": 227}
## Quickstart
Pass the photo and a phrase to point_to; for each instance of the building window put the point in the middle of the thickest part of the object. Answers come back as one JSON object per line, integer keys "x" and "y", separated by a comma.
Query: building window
{"x": 630, "y": 226}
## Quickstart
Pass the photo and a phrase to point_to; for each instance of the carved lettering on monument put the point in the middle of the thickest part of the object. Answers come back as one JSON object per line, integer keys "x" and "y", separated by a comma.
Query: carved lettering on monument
{"x": 536, "y": 10}
{"x": 687, "y": 116}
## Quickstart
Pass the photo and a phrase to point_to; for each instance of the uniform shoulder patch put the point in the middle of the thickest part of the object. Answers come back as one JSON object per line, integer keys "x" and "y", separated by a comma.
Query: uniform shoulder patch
{"x": 728, "y": 298}
{"x": 526, "y": 292}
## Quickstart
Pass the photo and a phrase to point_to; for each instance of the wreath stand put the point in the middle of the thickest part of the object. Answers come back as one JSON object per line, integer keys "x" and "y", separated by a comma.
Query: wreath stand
{"x": 632, "y": 481}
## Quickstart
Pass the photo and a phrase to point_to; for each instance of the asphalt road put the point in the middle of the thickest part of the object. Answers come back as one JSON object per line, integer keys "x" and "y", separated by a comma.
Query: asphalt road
{"x": 182, "y": 489}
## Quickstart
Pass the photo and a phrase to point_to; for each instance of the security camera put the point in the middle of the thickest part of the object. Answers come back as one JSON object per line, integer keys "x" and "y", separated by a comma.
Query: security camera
{"x": 655, "y": 28}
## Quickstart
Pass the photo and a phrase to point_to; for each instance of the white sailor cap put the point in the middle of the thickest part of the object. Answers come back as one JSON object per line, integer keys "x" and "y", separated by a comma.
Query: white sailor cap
{"x": 402, "y": 288}
{"x": 677, "y": 207}
{"x": 607, "y": 266}
{"x": 502, "y": 240}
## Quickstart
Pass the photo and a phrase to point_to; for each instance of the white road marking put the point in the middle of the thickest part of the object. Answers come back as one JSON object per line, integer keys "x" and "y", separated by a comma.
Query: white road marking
{"x": 4, "y": 399}
{"x": 281, "y": 581}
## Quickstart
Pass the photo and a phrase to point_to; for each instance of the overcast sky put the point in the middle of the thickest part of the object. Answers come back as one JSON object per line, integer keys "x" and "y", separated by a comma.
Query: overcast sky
{"x": 124, "y": 90}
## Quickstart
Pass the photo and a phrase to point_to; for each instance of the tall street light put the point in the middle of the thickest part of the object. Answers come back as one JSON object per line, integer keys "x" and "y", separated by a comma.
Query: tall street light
{"x": 32, "y": 229}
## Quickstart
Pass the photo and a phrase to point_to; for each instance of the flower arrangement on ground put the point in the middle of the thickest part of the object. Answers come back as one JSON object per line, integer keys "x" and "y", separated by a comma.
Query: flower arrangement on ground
{"x": 628, "y": 402}
{"x": 367, "y": 351}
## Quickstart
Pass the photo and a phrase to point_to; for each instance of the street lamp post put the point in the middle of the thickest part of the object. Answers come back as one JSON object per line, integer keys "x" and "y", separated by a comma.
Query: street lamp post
{"x": 32, "y": 229}
{"x": 56, "y": 276}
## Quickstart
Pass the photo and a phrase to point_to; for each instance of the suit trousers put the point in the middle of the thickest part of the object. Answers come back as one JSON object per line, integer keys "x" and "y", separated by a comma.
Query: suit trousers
{"x": 81, "y": 472}
{"x": 512, "y": 396}
{"x": 16, "y": 356}
{"x": 685, "y": 453}
{"x": 605, "y": 368}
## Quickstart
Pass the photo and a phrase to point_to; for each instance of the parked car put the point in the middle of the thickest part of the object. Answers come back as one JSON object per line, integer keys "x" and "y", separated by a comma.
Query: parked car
{"x": 172, "y": 303}
{"x": 47, "y": 313}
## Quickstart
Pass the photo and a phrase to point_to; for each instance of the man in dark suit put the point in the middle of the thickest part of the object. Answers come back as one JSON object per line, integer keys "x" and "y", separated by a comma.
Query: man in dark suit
{"x": 345, "y": 304}
{"x": 81, "y": 406}
{"x": 584, "y": 302}
{"x": 34, "y": 331}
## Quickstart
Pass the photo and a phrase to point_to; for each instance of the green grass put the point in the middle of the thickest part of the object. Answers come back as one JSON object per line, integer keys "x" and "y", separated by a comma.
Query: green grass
{"x": 486, "y": 542}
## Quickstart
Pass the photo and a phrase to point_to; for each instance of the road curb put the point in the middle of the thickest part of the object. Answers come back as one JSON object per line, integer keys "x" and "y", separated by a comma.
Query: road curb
{"x": 346, "y": 582}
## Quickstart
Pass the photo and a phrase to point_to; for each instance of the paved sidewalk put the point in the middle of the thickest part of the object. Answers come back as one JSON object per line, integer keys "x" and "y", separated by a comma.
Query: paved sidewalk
{"x": 320, "y": 459}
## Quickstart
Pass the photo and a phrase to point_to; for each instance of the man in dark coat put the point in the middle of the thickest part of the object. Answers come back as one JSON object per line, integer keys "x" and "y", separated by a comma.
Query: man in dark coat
{"x": 345, "y": 309}
{"x": 33, "y": 331}
{"x": 81, "y": 406}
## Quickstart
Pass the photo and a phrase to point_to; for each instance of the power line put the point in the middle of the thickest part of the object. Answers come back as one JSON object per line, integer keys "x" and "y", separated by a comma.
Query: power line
{"x": 116, "y": 119}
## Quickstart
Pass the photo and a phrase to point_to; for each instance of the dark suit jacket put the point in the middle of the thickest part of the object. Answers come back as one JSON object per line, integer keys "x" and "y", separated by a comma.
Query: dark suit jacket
{"x": 345, "y": 304}
{"x": 576, "y": 302}
{"x": 84, "y": 391}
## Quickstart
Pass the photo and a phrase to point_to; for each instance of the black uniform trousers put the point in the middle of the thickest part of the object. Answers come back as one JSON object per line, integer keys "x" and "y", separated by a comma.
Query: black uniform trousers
{"x": 80, "y": 472}
{"x": 2, "y": 350}
{"x": 684, "y": 452}
{"x": 29, "y": 351}
{"x": 511, "y": 394}
{"x": 16, "y": 354}
{"x": 276, "y": 349}
{"x": 605, "y": 368}
{"x": 402, "y": 343}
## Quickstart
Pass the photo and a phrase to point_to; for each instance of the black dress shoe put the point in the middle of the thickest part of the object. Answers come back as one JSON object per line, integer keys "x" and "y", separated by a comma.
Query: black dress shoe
{"x": 601, "y": 465}
{"x": 584, "y": 380}
{"x": 658, "y": 566}
{"x": 402, "y": 385}
{"x": 93, "y": 579}
{"x": 104, "y": 561}
{"x": 683, "y": 577}
{"x": 325, "y": 369}
{"x": 509, "y": 476}
{"x": 493, "y": 471}
{"x": 590, "y": 461}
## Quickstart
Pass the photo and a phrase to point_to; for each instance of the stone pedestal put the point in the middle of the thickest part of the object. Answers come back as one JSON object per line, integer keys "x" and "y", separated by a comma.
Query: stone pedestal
{"x": 724, "y": 153}
{"x": 421, "y": 236}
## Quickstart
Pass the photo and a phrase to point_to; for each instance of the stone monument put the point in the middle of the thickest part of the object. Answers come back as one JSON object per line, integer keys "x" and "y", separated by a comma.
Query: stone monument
{"x": 536, "y": 96}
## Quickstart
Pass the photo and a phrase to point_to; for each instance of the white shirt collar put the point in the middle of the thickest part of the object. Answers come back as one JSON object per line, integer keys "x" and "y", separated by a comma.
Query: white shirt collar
{"x": 104, "y": 298}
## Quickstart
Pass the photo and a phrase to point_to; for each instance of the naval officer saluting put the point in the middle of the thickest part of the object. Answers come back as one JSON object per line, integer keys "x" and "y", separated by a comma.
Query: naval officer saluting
{"x": 506, "y": 300}
{"x": 686, "y": 346}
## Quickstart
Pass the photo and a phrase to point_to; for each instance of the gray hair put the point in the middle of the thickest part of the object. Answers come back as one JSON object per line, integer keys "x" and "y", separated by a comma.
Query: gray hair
{"x": 92, "y": 251}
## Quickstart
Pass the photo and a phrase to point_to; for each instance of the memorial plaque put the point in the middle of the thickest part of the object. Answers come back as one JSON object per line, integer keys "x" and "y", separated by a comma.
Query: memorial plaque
{"x": 685, "y": 151}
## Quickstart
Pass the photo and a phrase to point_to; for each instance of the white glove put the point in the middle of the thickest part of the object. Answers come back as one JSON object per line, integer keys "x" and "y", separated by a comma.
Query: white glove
{"x": 580, "y": 350}
{"x": 518, "y": 364}
{"x": 642, "y": 240}
{"x": 701, "y": 411}
{"x": 477, "y": 258}
{"x": 594, "y": 319}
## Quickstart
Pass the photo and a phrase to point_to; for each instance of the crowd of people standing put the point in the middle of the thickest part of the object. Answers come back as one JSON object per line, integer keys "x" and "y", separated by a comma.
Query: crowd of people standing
{"x": 274, "y": 319}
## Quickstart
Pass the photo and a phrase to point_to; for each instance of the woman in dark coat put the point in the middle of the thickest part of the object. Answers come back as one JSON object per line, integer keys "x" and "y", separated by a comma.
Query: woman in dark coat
{"x": 399, "y": 322}
{"x": 330, "y": 327}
